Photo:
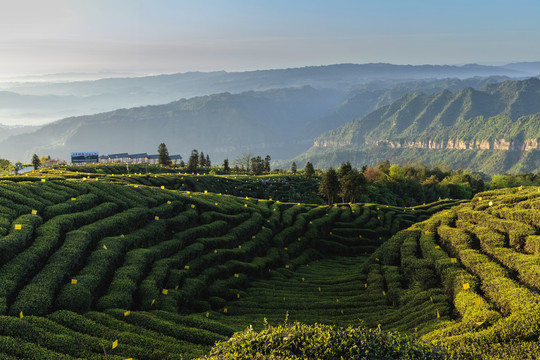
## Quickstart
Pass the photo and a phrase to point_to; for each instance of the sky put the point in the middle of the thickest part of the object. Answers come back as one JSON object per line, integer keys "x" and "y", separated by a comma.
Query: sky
{"x": 168, "y": 36}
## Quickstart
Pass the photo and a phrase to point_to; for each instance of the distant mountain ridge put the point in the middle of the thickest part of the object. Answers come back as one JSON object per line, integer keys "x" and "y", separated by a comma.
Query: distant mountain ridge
{"x": 46, "y": 101}
{"x": 503, "y": 116}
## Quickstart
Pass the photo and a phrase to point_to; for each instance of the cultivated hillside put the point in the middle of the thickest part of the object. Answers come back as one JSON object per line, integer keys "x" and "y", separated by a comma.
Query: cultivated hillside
{"x": 494, "y": 129}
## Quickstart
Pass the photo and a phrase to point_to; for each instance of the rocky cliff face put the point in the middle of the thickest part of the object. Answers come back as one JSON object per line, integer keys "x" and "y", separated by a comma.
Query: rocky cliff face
{"x": 499, "y": 144}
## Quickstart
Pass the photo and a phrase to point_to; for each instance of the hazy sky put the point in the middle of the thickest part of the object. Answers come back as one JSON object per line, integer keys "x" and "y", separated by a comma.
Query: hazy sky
{"x": 139, "y": 36}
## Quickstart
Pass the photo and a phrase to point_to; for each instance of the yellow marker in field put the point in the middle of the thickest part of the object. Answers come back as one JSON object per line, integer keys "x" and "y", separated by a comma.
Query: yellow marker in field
{"x": 207, "y": 314}
{"x": 162, "y": 187}
{"x": 169, "y": 202}
{"x": 21, "y": 315}
{"x": 479, "y": 198}
{"x": 127, "y": 313}
{"x": 115, "y": 344}
{"x": 384, "y": 293}
{"x": 245, "y": 205}
{"x": 437, "y": 247}
{"x": 73, "y": 199}
{"x": 239, "y": 246}
{"x": 192, "y": 206}
{"x": 122, "y": 235}
{"x": 104, "y": 247}
{"x": 43, "y": 180}
{"x": 225, "y": 310}
{"x": 286, "y": 266}
{"x": 156, "y": 218}
{"x": 438, "y": 315}
{"x": 206, "y": 191}
{"x": 236, "y": 275}
{"x": 153, "y": 302}
{"x": 73, "y": 281}
{"x": 303, "y": 278}
{"x": 216, "y": 204}
{"x": 136, "y": 186}
{"x": 18, "y": 226}
{"x": 376, "y": 259}
{"x": 466, "y": 286}
{"x": 319, "y": 289}
{"x": 176, "y": 287}
{"x": 215, "y": 251}
{"x": 238, "y": 295}
{"x": 454, "y": 260}
{"x": 520, "y": 188}
{"x": 164, "y": 291}
{"x": 431, "y": 298}
{"x": 337, "y": 300}
{"x": 286, "y": 249}
{"x": 186, "y": 267}
{"x": 478, "y": 301}
{"x": 365, "y": 285}
{"x": 342, "y": 311}
{"x": 34, "y": 212}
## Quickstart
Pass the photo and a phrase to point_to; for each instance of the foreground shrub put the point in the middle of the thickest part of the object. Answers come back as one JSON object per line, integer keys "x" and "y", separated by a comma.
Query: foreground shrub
{"x": 300, "y": 341}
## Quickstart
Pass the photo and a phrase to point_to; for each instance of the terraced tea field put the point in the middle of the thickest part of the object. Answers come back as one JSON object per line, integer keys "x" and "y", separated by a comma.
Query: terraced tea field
{"x": 91, "y": 265}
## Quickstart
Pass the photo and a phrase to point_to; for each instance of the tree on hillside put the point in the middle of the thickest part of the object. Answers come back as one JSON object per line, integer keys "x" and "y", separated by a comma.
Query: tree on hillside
{"x": 257, "y": 165}
{"x": 163, "y": 155}
{"x": 329, "y": 186}
{"x": 208, "y": 163}
{"x": 309, "y": 170}
{"x": 182, "y": 163}
{"x": 352, "y": 185}
{"x": 193, "y": 162}
{"x": 244, "y": 161}
{"x": 293, "y": 168}
{"x": 267, "y": 163}
{"x": 36, "y": 163}
{"x": 202, "y": 160}
{"x": 226, "y": 168}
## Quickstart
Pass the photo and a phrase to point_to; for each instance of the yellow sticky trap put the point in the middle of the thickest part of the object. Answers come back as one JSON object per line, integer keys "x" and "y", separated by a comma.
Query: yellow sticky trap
{"x": 319, "y": 289}
{"x": 162, "y": 187}
{"x": 384, "y": 293}
{"x": 431, "y": 298}
{"x": 34, "y": 212}
{"x": 122, "y": 235}
{"x": 215, "y": 251}
{"x": 43, "y": 180}
{"x": 156, "y": 218}
{"x": 153, "y": 302}
{"x": 342, "y": 311}
{"x": 236, "y": 275}
{"x": 520, "y": 188}
{"x": 337, "y": 300}
{"x": 311, "y": 222}
{"x": 186, "y": 267}
{"x": 84, "y": 179}
{"x": 239, "y": 246}
{"x": 104, "y": 247}
{"x": 490, "y": 203}
{"x": 438, "y": 315}
{"x": 207, "y": 314}
{"x": 454, "y": 260}
{"x": 176, "y": 287}
{"x": 225, "y": 310}
{"x": 18, "y": 226}
{"x": 479, "y": 198}
{"x": 365, "y": 285}
{"x": 286, "y": 266}
{"x": 169, "y": 202}
{"x": 437, "y": 247}
{"x": 245, "y": 205}
{"x": 478, "y": 301}
{"x": 192, "y": 206}
{"x": 127, "y": 313}
{"x": 253, "y": 236}
{"x": 299, "y": 239}
{"x": 283, "y": 299}
{"x": 376, "y": 259}
{"x": 303, "y": 278}
{"x": 136, "y": 186}
{"x": 286, "y": 249}
{"x": 206, "y": 191}
{"x": 164, "y": 291}
{"x": 21, "y": 315}
{"x": 238, "y": 295}
{"x": 73, "y": 281}
{"x": 330, "y": 233}
{"x": 115, "y": 344}
{"x": 466, "y": 286}
{"x": 216, "y": 204}
{"x": 73, "y": 199}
